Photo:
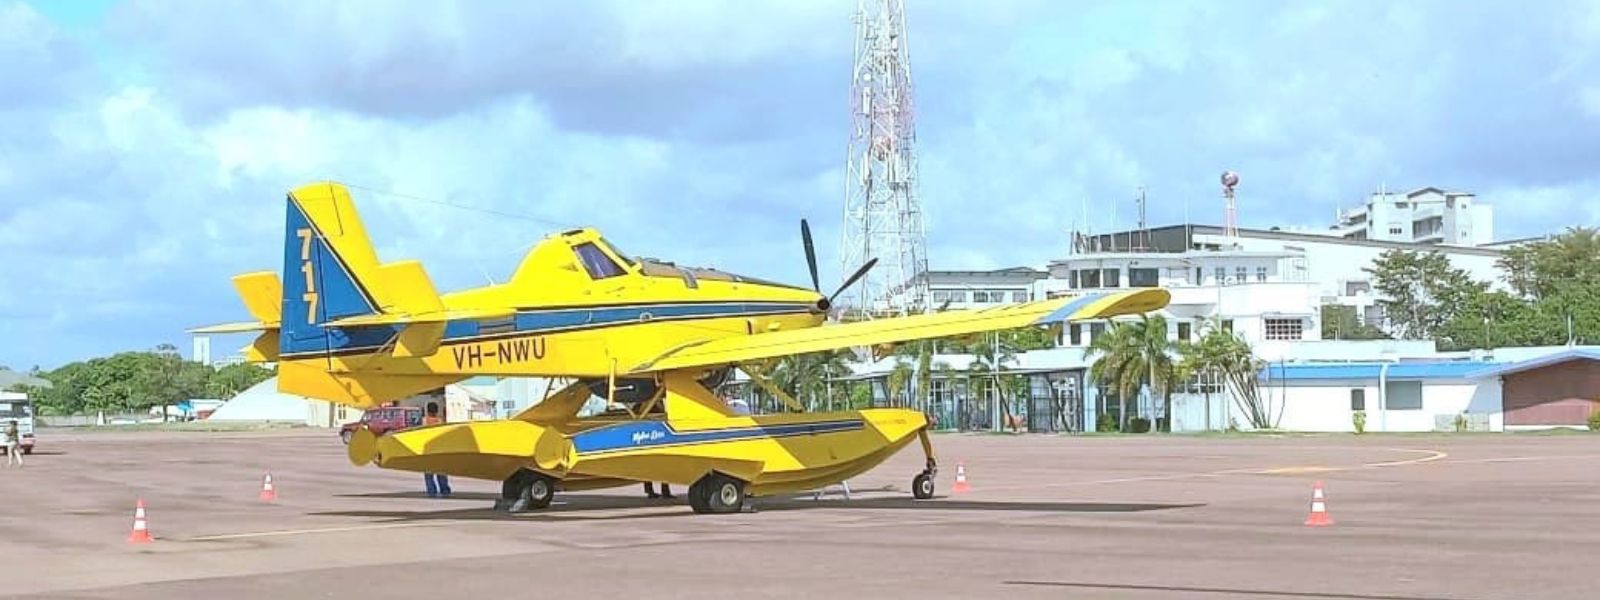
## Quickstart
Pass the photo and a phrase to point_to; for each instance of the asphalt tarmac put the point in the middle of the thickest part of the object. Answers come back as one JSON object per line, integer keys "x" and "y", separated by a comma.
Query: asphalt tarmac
{"x": 1416, "y": 517}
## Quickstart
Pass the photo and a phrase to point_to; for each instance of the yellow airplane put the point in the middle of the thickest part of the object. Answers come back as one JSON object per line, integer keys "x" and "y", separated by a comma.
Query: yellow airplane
{"x": 651, "y": 337}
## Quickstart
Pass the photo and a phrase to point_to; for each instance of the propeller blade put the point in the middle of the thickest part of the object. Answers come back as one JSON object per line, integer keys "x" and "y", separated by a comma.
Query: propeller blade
{"x": 861, "y": 272}
{"x": 811, "y": 255}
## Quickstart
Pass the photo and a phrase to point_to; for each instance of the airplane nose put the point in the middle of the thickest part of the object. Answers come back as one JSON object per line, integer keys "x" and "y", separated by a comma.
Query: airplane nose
{"x": 823, "y": 304}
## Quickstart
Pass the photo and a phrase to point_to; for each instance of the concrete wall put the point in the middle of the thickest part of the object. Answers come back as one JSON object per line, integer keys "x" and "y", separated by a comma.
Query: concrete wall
{"x": 1325, "y": 405}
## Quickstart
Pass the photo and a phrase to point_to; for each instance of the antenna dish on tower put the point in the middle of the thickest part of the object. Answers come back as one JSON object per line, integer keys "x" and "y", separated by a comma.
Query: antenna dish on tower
{"x": 1230, "y": 225}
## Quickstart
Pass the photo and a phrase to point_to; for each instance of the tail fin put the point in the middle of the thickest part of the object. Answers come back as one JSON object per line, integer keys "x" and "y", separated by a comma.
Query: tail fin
{"x": 328, "y": 264}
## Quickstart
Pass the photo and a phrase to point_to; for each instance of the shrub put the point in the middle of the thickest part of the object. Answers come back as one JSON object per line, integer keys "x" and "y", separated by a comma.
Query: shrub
{"x": 1360, "y": 421}
{"x": 1139, "y": 425}
{"x": 1461, "y": 422}
{"x": 1594, "y": 421}
{"x": 1105, "y": 423}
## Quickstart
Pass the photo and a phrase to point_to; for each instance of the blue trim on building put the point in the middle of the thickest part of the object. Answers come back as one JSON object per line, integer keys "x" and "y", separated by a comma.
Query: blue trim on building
{"x": 1371, "y": 370}
{"x": 655, "y": 434}
{"x": 1503, "y": 369}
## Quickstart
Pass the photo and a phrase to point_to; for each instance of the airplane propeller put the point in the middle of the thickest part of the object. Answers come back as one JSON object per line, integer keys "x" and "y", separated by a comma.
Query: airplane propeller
{"x": 816, "y": 282}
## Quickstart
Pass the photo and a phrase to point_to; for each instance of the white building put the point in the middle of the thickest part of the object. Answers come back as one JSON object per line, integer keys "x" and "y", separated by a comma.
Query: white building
{"x": 977, "y": 289}
{"x": 1334, "y": 266}
{"x": 1424, "y": 216}
{"x": 1258, "y": 294}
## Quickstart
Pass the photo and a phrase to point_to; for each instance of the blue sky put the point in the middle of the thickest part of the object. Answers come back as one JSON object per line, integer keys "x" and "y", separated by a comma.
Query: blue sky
{"x": 148, "y": 144}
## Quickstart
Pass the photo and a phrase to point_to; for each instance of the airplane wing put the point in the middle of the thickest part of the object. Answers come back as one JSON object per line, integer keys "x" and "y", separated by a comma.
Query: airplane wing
{"x": 900, "y": 329}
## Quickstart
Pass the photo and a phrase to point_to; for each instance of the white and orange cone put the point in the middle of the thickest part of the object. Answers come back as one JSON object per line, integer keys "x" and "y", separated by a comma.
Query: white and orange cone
{"x": 268, "y": 492}
{"x": 141, "y": 529}
{"x": 1319, "y": 508}
{"x": 961, "y": 485}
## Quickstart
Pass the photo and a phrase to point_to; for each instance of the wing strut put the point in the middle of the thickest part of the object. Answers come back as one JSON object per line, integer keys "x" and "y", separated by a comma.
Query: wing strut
{"x": 766, "y": 384}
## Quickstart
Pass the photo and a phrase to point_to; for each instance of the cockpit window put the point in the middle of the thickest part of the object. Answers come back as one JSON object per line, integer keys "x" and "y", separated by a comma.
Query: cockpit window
{"x": 627, "y": 258}
{"x": 596, "y": 262}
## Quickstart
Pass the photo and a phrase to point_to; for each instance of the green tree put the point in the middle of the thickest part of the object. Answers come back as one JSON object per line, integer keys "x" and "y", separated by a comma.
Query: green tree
{"x": 1225, "y": 354}
{"x": 1340, "y": 322}
{"x": 228, "y": 381}
{"x": 806, "y": 376}
{"x": 1421, "y": 291}
{"x": 1130, "y": 354}
{"x": 1537, "y": 270}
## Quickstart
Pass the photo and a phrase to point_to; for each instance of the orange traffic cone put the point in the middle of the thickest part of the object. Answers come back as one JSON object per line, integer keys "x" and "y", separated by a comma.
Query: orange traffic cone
{"x": 141, "y": 530}
{"x": 1319, "y": 508}
{"x": 961, "y": 480}
{"x": 268, "y": 493}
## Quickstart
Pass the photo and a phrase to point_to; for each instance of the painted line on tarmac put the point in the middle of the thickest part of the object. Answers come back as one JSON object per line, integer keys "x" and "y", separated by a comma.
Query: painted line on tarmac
{"x": 1506, "y": 459}
{"x": 1432, "y": 455}
{"x": 257, "y": 534}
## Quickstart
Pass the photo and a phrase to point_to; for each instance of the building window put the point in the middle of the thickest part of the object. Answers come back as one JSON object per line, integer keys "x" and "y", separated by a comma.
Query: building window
{"x": 1072, "y": 279}
{"x": 958, "y": 295}
{"x": 1403, "y": 395}
{"x": 1089, "y": 278}
{"x": 1184, "y": 330}
{"x": 1241, "y": 274}
{"x": 1019, "y": 296}
{"x": 1144, "y": 278}
{"x": 1396, "y": 231}
{"x": 1358, "y": 399}
{"x": 1261, "y": 274}
{"x": 1113, "y": 278}
{"x": 1222, "y": 275}
{"x": 941, "y": 296}
{"x": 1095, "y": 329}
{"x": 1076, "y": 330}
{"x": 1227, "y": 325}
{"x": 1284, "y": 329}
{"x": 1199, "y": 276}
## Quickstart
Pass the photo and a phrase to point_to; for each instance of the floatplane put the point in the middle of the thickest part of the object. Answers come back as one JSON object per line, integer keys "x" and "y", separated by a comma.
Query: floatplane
{"x": 649, "y": 336}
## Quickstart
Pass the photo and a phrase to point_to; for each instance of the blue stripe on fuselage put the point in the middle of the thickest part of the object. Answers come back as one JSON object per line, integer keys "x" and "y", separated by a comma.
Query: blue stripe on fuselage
{"x": 537, "y": 321}
{"x": 653, "y": 434}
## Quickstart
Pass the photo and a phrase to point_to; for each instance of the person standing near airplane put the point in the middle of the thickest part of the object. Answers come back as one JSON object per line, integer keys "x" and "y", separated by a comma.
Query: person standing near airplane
{"x": 438, "y": 484}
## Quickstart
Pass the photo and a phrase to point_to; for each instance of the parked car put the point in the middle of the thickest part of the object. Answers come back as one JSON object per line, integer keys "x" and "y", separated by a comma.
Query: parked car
{"x": 384, "y": 420}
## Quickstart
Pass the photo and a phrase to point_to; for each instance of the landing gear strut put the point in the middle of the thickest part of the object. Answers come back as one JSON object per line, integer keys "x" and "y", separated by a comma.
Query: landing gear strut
{"x": 922, "y": 484}
{"x": 526, "y": 490}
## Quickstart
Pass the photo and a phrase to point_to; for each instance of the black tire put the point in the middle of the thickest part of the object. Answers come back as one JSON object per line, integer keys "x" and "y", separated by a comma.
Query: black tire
{"x": 541, "y": 489}
{"x": 526, "y": 490}
{"x": 922, "y": 486}
{"x": 345, "y": 435}
{"x": 28, "y": 450}
{"x": 697, "y": 496}
{"x": 721, "y": 494}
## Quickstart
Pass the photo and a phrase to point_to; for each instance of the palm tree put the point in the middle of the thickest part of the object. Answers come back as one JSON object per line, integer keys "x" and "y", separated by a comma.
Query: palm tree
{"x": 1222, "y": 353}
{"x": 805, "y": 376}
{"x": 1130, "y": 354}
{"x": 990, "y": 357}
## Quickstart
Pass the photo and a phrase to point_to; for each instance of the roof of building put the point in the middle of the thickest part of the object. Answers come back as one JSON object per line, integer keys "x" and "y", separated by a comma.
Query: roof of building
{"x": 1191, "y": 229}
{"x": 1556, "y": 358}
{"x": 1463, "y": 369}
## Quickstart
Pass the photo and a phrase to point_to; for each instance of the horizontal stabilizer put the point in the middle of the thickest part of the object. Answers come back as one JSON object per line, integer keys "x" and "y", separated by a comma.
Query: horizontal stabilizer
{"x": 240, "y": 327}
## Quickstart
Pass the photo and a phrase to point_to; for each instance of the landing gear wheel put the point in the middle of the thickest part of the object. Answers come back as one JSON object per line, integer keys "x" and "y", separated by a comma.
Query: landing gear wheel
{"x": 526, "y": 490}
{"x": 717, "y": 494}
{"x": 697, "y": 495}
{"x": 540, "y": 491}
{"x": 922, "y": 486}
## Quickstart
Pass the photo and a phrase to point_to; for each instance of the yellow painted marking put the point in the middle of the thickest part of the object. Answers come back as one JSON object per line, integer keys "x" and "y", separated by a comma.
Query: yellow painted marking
{"x": 1433, "y": 455}
{"x": 257, "y": 534}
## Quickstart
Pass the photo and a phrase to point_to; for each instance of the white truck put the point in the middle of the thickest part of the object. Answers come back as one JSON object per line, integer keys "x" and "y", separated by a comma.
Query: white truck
{"x": 15, "y": 406}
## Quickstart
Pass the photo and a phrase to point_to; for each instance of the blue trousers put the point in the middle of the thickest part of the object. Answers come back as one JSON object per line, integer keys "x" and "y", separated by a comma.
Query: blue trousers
{"x": 438, "y": 484}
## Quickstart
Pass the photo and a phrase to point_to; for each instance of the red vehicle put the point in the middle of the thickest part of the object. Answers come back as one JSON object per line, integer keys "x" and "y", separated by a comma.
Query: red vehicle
{"x": 384, "y": 420}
